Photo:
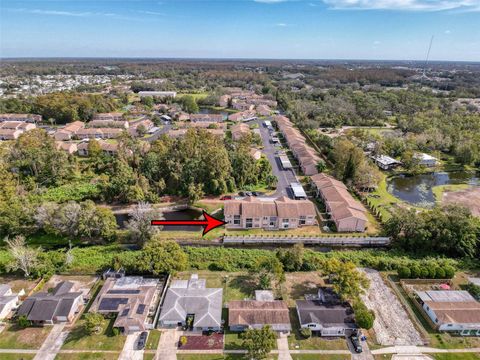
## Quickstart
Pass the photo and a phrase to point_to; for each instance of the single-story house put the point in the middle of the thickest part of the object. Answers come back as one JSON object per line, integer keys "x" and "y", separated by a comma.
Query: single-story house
{"x": 111, "y": 116}
{"x": 69, "y": 147}
{"x": 281, "y": 213}
{"x": 223, "y": 100}
{"x": 239, "y": 131}
{"x": 425, "y": 159}
{"x": 255, "y": 314}
{"x": 10, "y": 134}
{"x": 256, "y": 153}
{"x": 68, "y": 131}
{"x": 451, "y": 310}
{"x": 385, "y": 162}
{"x": 17, "y": 125}
{"x": 31, "y": 118}
{"x": 8, "y": 301}
{"x": 107, "y": 148}
{"x": 157, "y": 93}
{"x": 48, "y": 308}
{"x": 325, "y": 314}
{"x": 132, "y": 298}
{"x": 190, "y": 303}
{"x": 243, "y": 116}
{"x": 206, "y": 117}
{"x": 106, "y": 123}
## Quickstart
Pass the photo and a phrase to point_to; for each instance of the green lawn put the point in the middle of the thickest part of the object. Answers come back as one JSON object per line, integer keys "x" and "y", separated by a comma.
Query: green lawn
{"x": 439, "y": 190}
{"x": 148, "y": 356}
{"x": 297, "y": 342}
{"x": 14, "y": 337}
{"x": 153, "y": 339}
{"x": 17, "y": 356}
{"x": 233, "y": 341}
{"x": 457, "y": 356}
{"x": 80, "y": 340}
{"x": 88, "y": 356}
{"x": 216, "y": 357}
{"x": 320, "y": 357}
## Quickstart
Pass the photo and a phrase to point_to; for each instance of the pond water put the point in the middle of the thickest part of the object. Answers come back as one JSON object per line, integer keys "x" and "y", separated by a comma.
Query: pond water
{"x": 204, "y": 110}
{"x": 417, "y": 189}
{"x": 187, "y": 214}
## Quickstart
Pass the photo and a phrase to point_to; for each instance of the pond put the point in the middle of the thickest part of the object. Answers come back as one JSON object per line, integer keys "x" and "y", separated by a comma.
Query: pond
{"x": 417, "y": 189}
{"x": 207, "y": 110}
{"x": 186, "y": 214}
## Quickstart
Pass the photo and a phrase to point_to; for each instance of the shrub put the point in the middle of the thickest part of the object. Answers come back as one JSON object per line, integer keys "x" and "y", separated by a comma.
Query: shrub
{"x": 306, "y": 332}
{"x": 449, "y": 272}
{"x": 22, "y": 321}
{"x": 404, "y": 272}
{"x": 363, "y": 316}
{"x": 183, "y": 340}
{"x": 416, "y": 272}
{"x": 439, "y": 273}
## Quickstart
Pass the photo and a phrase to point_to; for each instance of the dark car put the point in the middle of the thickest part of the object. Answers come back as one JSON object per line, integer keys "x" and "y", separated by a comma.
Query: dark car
{"x": 249, "y": 193}
{"x": 254, "y": 193}
{"x": 356, "y": 344}
{"x": 241, "y": 193}
{"x": 142, "y": 339}
{"x": 226, "y": 197}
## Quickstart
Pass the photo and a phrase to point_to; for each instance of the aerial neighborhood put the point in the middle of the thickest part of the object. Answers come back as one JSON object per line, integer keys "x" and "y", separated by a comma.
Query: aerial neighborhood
{"x": 251, "y": 209}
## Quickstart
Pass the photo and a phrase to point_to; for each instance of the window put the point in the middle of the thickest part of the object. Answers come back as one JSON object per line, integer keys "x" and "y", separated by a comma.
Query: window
{"x": 311, "y": 325}
{"x": 236, "y": 219}
{"x": 285, "y": 223}
{"x": 273, "y": 221}
{"x": 302, "y": 220}
{"x": 249, "y": 223}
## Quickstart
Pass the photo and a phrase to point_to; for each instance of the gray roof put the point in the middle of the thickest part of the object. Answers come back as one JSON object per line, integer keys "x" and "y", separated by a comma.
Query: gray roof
{"x": 45, "y": 306}
{"x": 312, "y": 311}
{"x": 445, "y": 295}
{"x": 205, "y": 304}
{"x": 4, "y": 288}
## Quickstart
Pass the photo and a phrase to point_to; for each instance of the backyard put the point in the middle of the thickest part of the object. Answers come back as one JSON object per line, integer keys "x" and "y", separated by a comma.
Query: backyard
{"x": 14, "y": 337}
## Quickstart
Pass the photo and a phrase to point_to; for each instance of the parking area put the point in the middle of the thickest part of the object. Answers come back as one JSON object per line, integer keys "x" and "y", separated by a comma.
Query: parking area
{"x": 392, "y": 324}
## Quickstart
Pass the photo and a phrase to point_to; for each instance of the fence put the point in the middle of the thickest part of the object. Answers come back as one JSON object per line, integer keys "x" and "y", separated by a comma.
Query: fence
{"x": 313, "y": 240}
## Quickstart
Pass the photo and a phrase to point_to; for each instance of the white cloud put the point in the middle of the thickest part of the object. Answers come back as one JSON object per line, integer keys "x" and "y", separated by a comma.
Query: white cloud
{"x": 69, "y": 13}
{"x": 376, "y": 42}
{"x": 281, "y": 25}
{"x": 146, "y": 12}
{"x": 448, "y": 32}
{"x": 405, "y": 5}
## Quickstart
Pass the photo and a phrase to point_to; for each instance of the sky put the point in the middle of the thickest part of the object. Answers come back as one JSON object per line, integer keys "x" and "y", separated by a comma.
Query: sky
{"x": 284, "y": 29}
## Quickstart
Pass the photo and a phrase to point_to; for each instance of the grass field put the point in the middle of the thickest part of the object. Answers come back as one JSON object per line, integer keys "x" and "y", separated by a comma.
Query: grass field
{"x": 320, "y": 357}
{"x": 17, "y": 356}
{"x": 457, "y": 356}
{"x": 88, "y": 356}
{"x": 106, "y": 340}
{"x": 439, "y": 190}
{"x": 152, "y": 340}
{"x": 14, "y": 337}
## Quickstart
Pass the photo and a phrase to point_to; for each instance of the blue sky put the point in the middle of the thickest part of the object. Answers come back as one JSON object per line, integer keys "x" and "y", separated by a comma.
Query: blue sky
{"x": 311, "y": 29}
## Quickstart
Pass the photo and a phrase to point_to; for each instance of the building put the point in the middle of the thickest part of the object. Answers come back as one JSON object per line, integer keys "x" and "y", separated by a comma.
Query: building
{"x": 111, "y": 116}
{"x": 146, "y": 124}
{"x": 8, "y": 301}
{"x": 239, "y": 131}
{"x": 255, "y": 314}
{"x": 242, "y": 105}
{"x": 48, "y": 308}
{"x": 17, "y": 125}
{"x": 191, "y": 304}
{"x": 122, "y": 124}
{"x": 256, "y": 153}
{"x": 325, "y": 314}
{"x": 385, "y": 162}
{"x": 69, "y": 131}
{"x": 207, "y": 118}
{"x": 451, "y": 310}
{"x": 282, "y": 213}
{"x": 348, "y": 214}
{"x": 243, "y": 116}
{"x": 31, "y": 118}
{"x": 133, "y": 299}
{"x": 425, "y": 159}
{"x": 224, "y": 100}
{"x": 263, "y": 110}
{"x": 68, "y": 147}
{"x": 161, "y": 94}
{"x": 98, "y": 133}
{"x": 10, "y": 134}
{"x": 107, "y": 148}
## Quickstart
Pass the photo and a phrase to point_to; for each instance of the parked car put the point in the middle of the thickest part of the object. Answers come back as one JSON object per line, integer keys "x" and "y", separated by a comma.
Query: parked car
{"x": 356, "y": 344}
{"x": 226, "y": 197}
{"x": 241, "y": 193}
{"x": 254, "y": 193}
{"x": 248, "y": 193}
{"x": 142, "y": 340}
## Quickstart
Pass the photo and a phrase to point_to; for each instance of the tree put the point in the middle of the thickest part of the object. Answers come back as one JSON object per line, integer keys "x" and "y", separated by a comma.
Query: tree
{"x": 363, "y": 316}
{"x": 346, "y": 280}
{"x": 96, "y": 221}
{"x": 23, "y": 322}
{"x": 160, "y": 257}
{"x": 404, "y": 272}
{"x": 189, "y": 104}
{"x": 93, "y": 323}
{"x": 139, "y": 225}
{"x": 321, "y": 166}
{"x": 292, "y": 258}
{"x": 24, "y": 258}
{"x": 269, "y": 272}
{"x": 259, "y": 342}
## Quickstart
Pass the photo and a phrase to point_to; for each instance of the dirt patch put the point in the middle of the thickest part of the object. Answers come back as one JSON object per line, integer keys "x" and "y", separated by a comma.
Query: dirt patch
{"x": 298, "y": 284}
{"x": 17, "y": 284}
{"x": 203, "y": 342}
{"x": 392, "y": 325}
{"x": 469, "y": 198}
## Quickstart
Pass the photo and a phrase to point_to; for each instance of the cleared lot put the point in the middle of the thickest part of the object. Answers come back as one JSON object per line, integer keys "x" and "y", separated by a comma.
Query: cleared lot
{"x": 392, "y": 324}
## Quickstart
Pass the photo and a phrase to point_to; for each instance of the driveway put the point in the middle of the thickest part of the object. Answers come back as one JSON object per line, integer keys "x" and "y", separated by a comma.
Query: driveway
{"x": 285, "y": 177}
{"x": 130, "y": 351}
{"x": 53, "y": 343}
{"x": 167, "y": 347}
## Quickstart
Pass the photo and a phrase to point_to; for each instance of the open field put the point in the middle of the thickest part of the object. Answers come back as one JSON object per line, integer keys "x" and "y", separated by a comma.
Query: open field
{"x": 14, "y": 337}
{"x": 82, "y": 283}
{"x": 320, "y": 357}
{"x": 469, "y": 197}
{"x": 17, "y": 283}
{"x": 88, "y": 356}
{"x": 17, "y": 356}
{"x": 106, "y": 340}
{"x": 457, "y": 356}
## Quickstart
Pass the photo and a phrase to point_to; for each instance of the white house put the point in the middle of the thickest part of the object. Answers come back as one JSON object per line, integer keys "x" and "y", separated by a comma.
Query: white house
{"x": 425, "y": 159}
{"x": 8, "y": 301}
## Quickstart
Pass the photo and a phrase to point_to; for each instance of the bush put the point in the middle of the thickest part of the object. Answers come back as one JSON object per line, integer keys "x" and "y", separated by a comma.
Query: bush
{"x": 404, "y": 272}
{"x": 439, "y": 273}
{"x": 363, "y": 316}
{"x": 449, "y": 272}
{"x": 416, "y": 272}
{"x": 306, "y": 332}
{"x": 183, "y": 340}
{"x": 22, "y": 321}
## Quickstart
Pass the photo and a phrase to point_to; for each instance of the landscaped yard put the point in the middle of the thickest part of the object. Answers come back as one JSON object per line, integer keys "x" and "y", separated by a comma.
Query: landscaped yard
{"x": 17, "y": 356}
{"x": 14, "y": 337}
{"x": 88, "y": 356}
{"x": 153, "y": 339}
{"x": 216, "y": 357}
{"x": 79, "y": 339}
{"x": 457, "y": 356}
{"x": 320, "y": 357}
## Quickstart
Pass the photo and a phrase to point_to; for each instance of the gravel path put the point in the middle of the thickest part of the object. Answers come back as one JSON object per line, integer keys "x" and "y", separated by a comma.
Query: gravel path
{"x": 392, "y": 324}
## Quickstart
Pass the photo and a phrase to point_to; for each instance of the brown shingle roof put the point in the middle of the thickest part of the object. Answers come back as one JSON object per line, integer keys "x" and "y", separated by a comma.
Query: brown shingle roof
{"x": 253, "y": 312}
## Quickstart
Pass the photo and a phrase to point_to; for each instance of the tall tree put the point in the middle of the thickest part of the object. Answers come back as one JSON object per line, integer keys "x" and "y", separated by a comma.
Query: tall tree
{"x": 24, "y": 258}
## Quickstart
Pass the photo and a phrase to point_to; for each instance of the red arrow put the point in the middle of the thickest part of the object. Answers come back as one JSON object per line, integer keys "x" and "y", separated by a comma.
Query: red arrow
{"x": 209, "y": 223}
